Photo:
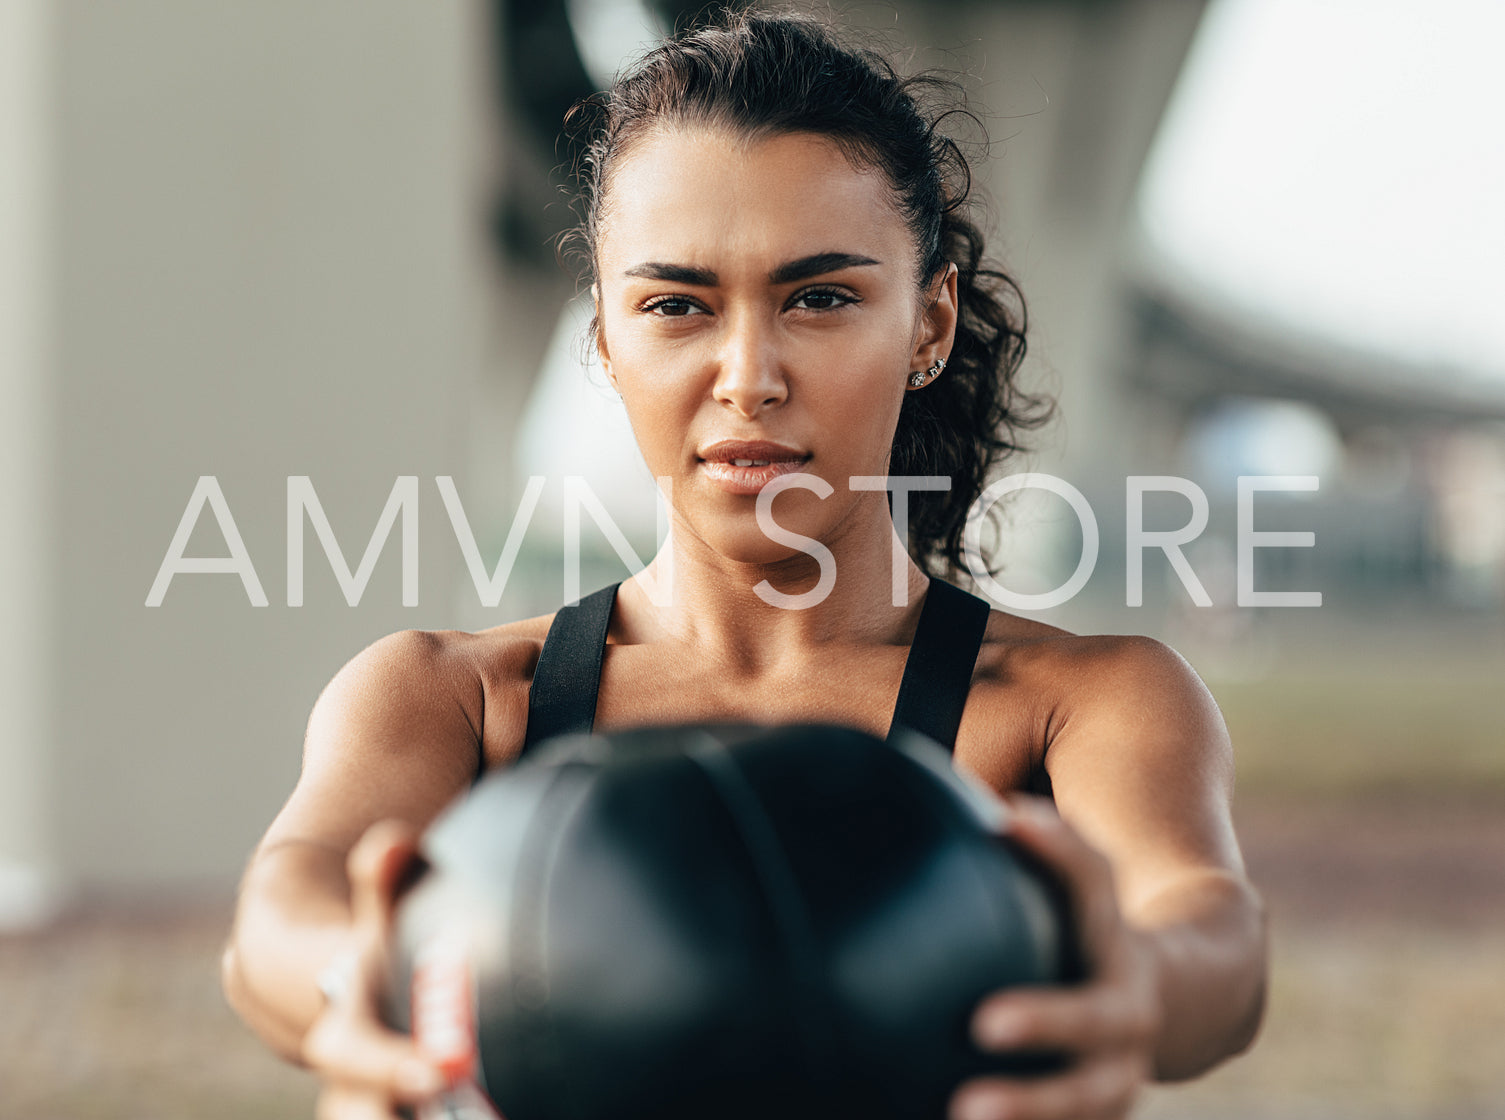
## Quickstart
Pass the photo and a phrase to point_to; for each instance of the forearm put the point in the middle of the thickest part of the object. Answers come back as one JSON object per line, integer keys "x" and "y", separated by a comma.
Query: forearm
{"x": 292, "y": 917}
{"x": 1208, "y": 939}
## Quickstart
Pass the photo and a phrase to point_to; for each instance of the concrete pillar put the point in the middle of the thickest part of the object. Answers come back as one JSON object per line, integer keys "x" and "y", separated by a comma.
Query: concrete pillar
{"x": 28, "y": 871}
{"x": 262, "y": 257}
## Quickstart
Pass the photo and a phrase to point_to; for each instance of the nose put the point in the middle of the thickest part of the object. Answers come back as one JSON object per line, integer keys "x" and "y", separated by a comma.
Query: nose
{"x": 750, "y": 373}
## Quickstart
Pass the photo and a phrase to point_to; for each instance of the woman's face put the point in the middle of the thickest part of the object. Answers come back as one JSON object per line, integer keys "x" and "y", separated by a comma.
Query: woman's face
{"x": 761, "y": 292}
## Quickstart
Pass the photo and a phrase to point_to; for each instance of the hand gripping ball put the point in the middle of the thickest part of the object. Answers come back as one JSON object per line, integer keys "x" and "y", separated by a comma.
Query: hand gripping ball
{"x": 727, "y": 922}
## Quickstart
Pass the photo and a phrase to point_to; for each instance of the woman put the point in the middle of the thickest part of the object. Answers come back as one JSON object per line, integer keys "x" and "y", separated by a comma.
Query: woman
{"x": 785, "y": 283}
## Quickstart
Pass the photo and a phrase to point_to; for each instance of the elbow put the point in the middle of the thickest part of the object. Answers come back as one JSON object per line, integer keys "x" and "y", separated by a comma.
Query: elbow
{"x": 1248, "y": 967}
{"x": 1230, "y": 1009}
{"x": 231, "y": 981}
{"x": 1236, "y": 1040}
{"x": 282, "y": 1041}
{"x": 1247, "y": 1027}
{"x": 1248, "y": 1030}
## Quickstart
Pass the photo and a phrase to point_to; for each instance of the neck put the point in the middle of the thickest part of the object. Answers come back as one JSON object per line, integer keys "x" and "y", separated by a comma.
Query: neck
{"x": 714, "y": 604}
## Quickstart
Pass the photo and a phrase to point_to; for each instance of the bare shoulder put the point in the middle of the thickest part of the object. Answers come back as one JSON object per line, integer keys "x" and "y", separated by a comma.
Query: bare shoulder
{"x": 1136, "y": 750}
{"x": 1097, "y": 693}
{"x": 406, "y": 725}
{"x": 1092, "y": 669}
{"x": 1135, "y": 687}
{"x": 486, "y": 674}
{"x": 502, "y": 659}
{"x": 498, "y": 655}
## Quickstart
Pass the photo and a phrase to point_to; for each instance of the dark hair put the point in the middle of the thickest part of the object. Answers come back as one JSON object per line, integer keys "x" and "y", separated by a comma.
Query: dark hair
{"x": 759, "y": 73}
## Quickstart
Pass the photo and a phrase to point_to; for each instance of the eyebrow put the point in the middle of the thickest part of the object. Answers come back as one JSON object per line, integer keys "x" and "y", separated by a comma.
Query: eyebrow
{"x": 817, "y": 264}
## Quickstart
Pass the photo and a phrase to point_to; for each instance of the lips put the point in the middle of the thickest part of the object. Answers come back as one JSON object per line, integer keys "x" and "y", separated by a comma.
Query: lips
{"x": 746, "y": 466}
{"x": 757, "y": 451}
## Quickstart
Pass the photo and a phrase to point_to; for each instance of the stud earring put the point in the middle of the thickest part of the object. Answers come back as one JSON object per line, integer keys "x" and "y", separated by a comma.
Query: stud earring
{"x": 919, "y": 377}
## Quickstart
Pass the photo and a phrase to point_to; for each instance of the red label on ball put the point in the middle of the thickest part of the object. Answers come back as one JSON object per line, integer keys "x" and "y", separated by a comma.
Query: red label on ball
{"x": 443, "y": 1019}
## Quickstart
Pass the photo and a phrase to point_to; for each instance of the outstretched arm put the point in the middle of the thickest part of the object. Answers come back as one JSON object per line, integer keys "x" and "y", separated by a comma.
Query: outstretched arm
{"x": 1142, "y": 772}
{"x": 392, "y": 739}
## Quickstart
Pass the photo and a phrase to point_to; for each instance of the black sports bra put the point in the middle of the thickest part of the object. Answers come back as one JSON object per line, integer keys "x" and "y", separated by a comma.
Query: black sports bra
{"x": 932, "y": 694}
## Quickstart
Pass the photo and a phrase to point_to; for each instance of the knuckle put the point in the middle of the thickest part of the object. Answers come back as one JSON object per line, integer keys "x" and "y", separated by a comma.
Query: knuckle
{"x": 360, "y": 860}
{"x": 1028, "y": 1021}
{"x": 996, "y": 1003}
{"x": 1010, "y": 1022}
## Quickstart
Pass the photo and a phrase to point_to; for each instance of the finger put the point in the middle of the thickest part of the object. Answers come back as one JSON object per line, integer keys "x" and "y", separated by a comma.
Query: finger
{"x": 375, "y": 865}
{"x": 1018, "y": 803}
{"x": 1094, "y": 1091}
{"x": 357, "y": 1055}
{"x": 340, "y": 1103}
{"x": 1035, "y": 822}
{"x": 1083, "y": 870}
{"x": 1079, "y": 1019}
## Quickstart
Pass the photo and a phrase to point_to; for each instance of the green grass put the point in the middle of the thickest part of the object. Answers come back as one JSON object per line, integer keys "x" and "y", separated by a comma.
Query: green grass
{"x": 1352, "y": 734}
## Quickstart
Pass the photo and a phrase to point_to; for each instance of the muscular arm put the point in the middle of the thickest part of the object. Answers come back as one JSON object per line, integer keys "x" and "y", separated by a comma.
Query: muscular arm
{"x": 394, "y": 736}
{"x": 1141, "y": 767}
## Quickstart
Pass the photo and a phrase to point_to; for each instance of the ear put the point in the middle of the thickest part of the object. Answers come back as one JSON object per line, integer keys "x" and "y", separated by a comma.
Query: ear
{"x": 601, "y": 351}
{"x": 937, "y": 327}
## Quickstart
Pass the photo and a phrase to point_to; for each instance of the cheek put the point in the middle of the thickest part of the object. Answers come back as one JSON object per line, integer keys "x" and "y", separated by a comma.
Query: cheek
{"x": 662, "y": 411}
{"x": 655, "y": 389}
{"x": 863, "y": 395}
{"x": 659, "y": 423}
{"x": 622, "y": 347}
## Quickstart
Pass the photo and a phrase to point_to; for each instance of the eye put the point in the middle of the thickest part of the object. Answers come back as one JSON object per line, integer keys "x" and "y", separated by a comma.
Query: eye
{"x": 822, "y": 299}
{"x": 669, "y": 307}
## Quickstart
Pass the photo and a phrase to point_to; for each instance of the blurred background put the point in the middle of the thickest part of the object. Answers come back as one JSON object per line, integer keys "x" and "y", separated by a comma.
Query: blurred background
{"x": 262, "y": 241}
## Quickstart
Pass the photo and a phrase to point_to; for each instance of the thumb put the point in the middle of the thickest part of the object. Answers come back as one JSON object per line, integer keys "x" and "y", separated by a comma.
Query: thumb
{"x": 376, "y": 866}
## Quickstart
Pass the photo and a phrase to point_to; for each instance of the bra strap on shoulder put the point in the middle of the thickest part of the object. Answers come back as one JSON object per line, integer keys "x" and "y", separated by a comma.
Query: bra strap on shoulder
{"x": 938, "y": 671}
{"x": 562, "y": 699}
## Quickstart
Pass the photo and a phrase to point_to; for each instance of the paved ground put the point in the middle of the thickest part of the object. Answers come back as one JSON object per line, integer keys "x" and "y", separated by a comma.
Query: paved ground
{"x": 1388, "y": 996}
{"x": 1388, "y": 979}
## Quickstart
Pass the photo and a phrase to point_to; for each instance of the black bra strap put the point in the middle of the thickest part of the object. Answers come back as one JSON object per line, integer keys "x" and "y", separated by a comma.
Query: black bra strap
{"x": 938, "y": 672}
{"x": 562, "y": 700}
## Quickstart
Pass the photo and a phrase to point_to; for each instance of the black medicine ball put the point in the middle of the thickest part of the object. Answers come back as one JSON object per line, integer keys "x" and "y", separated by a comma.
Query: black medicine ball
{"x": 728, "y": 922}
